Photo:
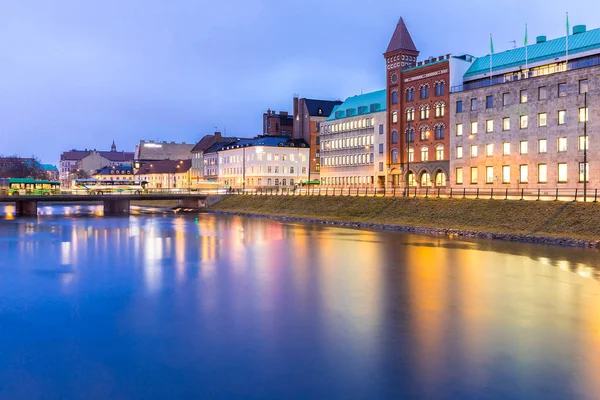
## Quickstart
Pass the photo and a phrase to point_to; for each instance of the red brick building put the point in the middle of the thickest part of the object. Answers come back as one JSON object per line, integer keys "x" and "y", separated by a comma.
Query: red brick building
{"x": 401, "y": 53}
{"x": 418, "y": 95}
{"x": 281, "y": 124}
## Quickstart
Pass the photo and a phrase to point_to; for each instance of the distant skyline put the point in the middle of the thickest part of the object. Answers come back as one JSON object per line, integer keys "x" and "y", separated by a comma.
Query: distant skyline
{"x": 77, "y": 75}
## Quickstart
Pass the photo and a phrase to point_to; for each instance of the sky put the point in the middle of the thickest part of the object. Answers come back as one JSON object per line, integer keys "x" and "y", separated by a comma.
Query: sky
{"x": 80, "y": 73}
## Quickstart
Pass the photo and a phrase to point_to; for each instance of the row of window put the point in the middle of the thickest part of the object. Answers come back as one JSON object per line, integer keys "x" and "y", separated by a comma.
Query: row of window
{"x": 505, "y": 176}
{"x": 439, "y": 87}
{"x": 270, "y": 169}
{"x": 347, "y": 180}
{"x": 349, "y": 160}
{"x": 542, "y": 121}
{"x": 349, "y": 125}
{"x": 259, "y": 157}
{"x": 347, "y": 143}
{"x": 424, "y": 133}
{"x": 561, "y": 146}
{"x": 523, "y": 96}
{"x": 269, "y": 181}
{"x": 440, "y": 111}
{"x": 424, "y": 152}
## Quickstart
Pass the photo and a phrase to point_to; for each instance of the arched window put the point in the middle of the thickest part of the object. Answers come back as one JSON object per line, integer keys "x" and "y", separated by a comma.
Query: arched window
{"x": 424, "y": 111}
{"x": 410, "y": 114}
{"x": 394, "y": 116}
{"x": 410, "y": 94}
{"x": 440, "y": 130}
{"x": 440, "y": 88}
{"x": 424, "y": 91}
{"x": 411, "y": 154}
{"x": 424, "y": 132}
{"x": 440, "y": 109}
{"x": 394, "y": 97}
{"x": 439, "y": 152}
{"x": 440, "y": 179}
{"x": 394, "y": 136}
{"x": 424, "y": 154}
{"x": 425, "y": 179}
{"x": 395, "y": 156}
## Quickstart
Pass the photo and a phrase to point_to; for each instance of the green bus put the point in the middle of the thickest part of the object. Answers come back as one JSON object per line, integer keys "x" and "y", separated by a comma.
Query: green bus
{"x": 28, "y": 186}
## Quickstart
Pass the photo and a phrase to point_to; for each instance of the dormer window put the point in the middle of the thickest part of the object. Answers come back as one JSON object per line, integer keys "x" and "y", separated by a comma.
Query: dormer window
{"x": 320, "y": 111}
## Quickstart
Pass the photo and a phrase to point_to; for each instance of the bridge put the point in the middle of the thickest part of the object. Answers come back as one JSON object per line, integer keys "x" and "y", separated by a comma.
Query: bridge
{"x": 114, "y": 204}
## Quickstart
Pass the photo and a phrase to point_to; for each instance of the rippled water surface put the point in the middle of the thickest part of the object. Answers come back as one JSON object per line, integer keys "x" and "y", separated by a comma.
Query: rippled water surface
{"x": 165, "y": 306}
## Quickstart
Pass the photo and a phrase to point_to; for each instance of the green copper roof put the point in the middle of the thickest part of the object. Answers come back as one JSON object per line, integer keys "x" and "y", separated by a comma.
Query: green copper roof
{"x": 363, "y": 104}
{"x": 536, "y": 52}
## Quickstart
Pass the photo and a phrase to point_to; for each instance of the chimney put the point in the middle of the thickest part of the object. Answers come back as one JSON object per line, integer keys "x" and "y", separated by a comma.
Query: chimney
{"x": 217, "y": 134}
{"x": 447, "y": 56}
{"x": 419, "y": 63}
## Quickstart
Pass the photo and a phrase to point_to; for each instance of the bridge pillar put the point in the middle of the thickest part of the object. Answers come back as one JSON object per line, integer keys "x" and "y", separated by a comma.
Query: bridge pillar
{"x": 26, "y": 208}
{"x": 116, "y": 206}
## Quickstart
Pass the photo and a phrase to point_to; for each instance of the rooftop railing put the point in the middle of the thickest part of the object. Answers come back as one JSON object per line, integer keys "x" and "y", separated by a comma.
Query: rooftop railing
{"x": 532, "y": 73}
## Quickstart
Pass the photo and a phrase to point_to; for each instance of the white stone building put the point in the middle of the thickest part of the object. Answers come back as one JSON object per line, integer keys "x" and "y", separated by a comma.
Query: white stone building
{"x": 353, "y": 142}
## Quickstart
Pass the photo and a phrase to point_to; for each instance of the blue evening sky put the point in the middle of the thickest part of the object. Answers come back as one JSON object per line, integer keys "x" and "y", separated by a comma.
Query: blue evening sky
{"x": 78, "y": 73}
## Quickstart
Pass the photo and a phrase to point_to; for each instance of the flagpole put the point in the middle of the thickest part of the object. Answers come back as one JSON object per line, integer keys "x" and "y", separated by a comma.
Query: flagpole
{"x": 526, "y": 55}
{"x": 491, "y": 55}
{"x": 567, "y": 41}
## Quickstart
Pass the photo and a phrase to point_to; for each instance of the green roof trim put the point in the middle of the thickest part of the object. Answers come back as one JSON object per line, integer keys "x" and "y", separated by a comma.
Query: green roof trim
{"x": 358, "y": 105}
{"x": 545, "y": 51}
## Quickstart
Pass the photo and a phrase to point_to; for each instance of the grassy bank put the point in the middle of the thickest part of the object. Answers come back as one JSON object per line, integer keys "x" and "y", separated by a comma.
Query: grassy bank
{"x": 539, "y": 218}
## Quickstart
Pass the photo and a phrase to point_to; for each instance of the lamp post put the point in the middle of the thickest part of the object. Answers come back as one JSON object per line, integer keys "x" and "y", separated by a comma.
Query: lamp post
{"x": 585, "y": 117}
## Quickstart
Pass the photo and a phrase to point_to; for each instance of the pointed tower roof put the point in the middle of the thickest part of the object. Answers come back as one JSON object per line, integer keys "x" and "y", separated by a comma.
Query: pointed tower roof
{"x": 114, "y": 146}
{"x": 401, "y": 39}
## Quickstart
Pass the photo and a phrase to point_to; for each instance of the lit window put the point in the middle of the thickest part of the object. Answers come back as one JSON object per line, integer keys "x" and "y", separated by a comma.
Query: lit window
{"x": 562, "y": 144}
{"x": 395, "y": 156}
{"x": 489, "y": 150}
{"x": 473, "y": 174}
{"x": 542, "y": 119}
{"x": 474, "y": 150}
{"x": 584, "y": 175}
{"x": 411, "y": 154}
{"x": 425, "y": 112}
{"x": 439, "y": 110}
{"x": 562, "y": 172}
{"x": 542, "y": 173}
{"x": 542, "y": 93}
{"x": 459, "y": 176}
{"x": 583, "y": 86}
{"x": 506, "y": 148}
{"x": 489, "y": 125}
{"x": 439, "y": 153}
{"x": 523, "y": 96}
{"x": 459, "y": 152}
{"x": 473, "y": 128}
{"x": 523, "y": 147}
{"x": 506, "y": 124}
{"x": 459, "y": 129}
{"x": 523, "y": 120}
{"x": 562, "y": 117}
{"x": 506, "y": 174}
{"x": 523, "y": 173}
{"x": 583, "y": 114}
{"x": 542, "y": 146}
{"x": 394, "y": 116}
{"x": 410, "y": 114}
{"x": 584, "y": 143}
{"x": 424, "y": 154}
{"x": 489, "y": 174}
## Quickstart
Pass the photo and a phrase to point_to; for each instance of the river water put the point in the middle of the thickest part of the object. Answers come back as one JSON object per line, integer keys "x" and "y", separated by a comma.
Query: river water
{"x": 219, "y": 307}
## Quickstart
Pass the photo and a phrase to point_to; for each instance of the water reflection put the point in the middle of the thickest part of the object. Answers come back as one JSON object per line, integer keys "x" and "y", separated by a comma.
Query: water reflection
{"x": 177, "y": 306}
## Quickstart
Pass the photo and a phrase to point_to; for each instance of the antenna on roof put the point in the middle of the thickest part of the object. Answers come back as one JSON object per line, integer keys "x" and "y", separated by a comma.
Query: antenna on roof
{"x": 514, "y": 43}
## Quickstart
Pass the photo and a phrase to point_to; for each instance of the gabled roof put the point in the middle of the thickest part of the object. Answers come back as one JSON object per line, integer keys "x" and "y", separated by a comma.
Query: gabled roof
{"x": 401, "y": 39}
{"x": 219, "y": 145}
{"x": 165, "y": 167}
{"x": 320, "y": 108}
{"x": 150, "y": 150}
{"x": 545, "y": 51}
{"x": 207, "y": 141}
{"x": 267, "y": 141}
{"x": 358, "y": 105}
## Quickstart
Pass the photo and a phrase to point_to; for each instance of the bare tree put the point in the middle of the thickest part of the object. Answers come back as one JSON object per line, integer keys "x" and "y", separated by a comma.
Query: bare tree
{"x": 20, "y": 167}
